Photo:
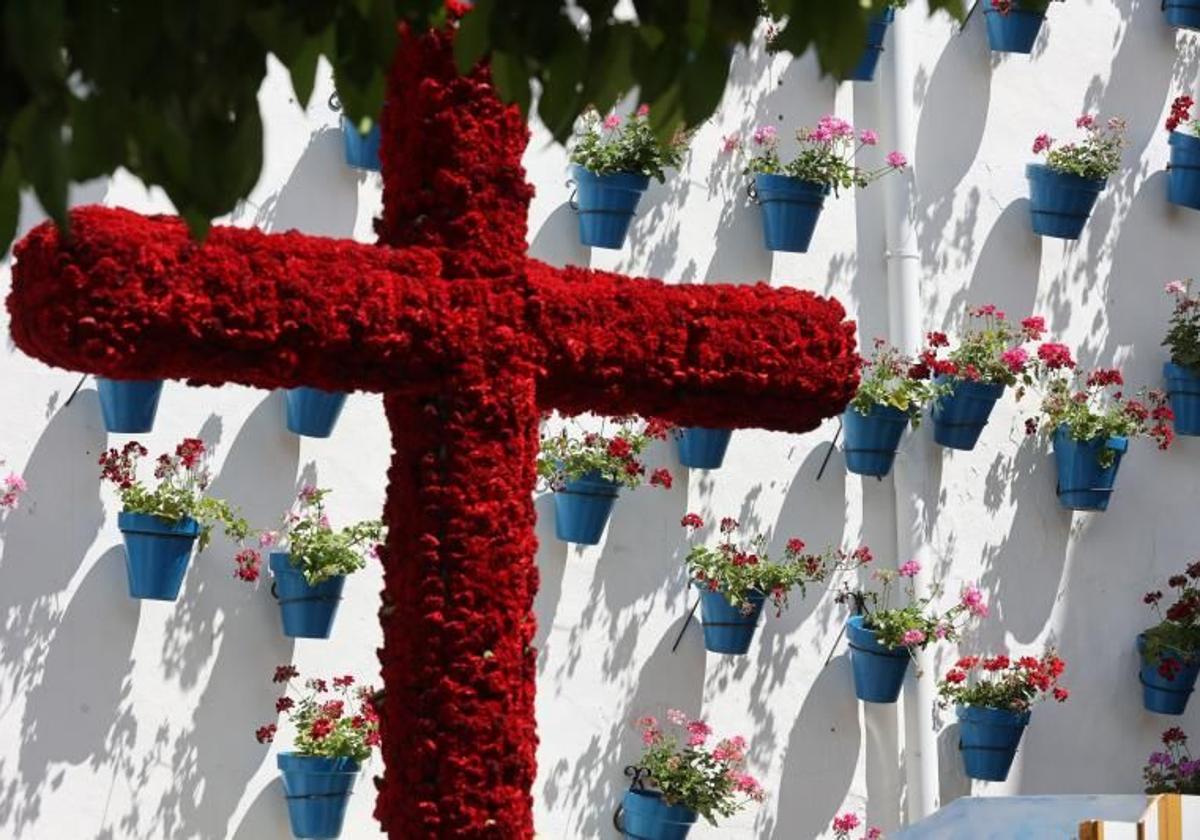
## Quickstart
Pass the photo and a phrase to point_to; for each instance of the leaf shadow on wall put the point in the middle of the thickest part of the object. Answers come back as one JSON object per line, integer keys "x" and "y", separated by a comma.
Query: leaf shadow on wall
{"x": 320, "y": 196}
{"x": 215, "y": 755}
{"x": 45, "y": 542}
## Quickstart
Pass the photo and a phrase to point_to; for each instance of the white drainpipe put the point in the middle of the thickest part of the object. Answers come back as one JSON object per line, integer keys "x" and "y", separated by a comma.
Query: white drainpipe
{"x": 915, "y": 499}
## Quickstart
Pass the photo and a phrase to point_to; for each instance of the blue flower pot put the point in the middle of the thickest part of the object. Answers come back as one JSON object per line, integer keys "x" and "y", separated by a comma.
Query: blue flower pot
{"x": 1015, "y": 32}
{"x": 790, "y": 209}
{"x": 959, "y": 417}
{"x": 582, "y": 508}
{"x": 877, "y": 29}
{"x": 647, "y": 817}
{"x": 312, "y": 412}
{"x": 362, "y": 150}
{"x": 878, "y": 671}
{"x": 1183, "y": 174}
{"x": 1159, "y": 694}
{"x": 317, "y": 790}
{"x": 308, "y": 611}
{"x": 1060, "y": 204}
{"x": 1183, "y": 388}
{"x": 1082, "y": 483}
{"x": 988, "y": 739}
{"x": 156, "y": 553}
{"x": 703, "y": 449}
{"x": 870, "y": 440}
{"x": 607, "y": 204}
{"x": 129, "y": 405}
{"x": 726, "y": 628}
{"x": 1182, "y": 14}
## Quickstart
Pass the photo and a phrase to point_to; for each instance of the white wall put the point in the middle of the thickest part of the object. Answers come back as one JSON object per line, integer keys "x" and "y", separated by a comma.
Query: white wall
{"x": 121, "y": 719}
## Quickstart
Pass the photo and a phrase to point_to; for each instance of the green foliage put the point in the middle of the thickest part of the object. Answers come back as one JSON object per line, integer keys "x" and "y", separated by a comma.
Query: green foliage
{"x": 1177, "y": 634}
{"x": 572, "y": 454}
{"x": 337, "y": 722}
{"x": 1096, "y": 157}
{"x": 317, "y": 550}
{"x": 826, "y": 155}
{"x": 1183, "y": 336}
{"x": 168, "y": 89}
{"x": 613, "y": 145}
{"x": 893, "y": 380}
{"x": 913, "y": 625}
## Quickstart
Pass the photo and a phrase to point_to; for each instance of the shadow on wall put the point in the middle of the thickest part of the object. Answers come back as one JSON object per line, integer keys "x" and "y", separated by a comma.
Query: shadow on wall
{"x": 552, "y": 563}
{"x": 45, "y": 541}
{"x": 267, "y": 817}
{"x": 259, "y": 477}
{"x": 320, "y": 196}
{"x": 1006, "y": 273}
{"x": 557, "y": 241}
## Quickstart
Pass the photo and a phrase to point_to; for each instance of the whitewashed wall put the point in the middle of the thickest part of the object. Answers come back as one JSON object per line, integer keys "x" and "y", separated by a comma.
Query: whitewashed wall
{"x": 125, "y": 719}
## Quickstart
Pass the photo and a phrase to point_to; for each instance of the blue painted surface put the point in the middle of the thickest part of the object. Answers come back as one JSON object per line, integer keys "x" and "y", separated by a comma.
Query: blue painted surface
{"x": 1060, "y": 204}
{"x": 790, "y": 210}
{"x": 1021, "y": 817}
{"x": 156, "y": 553}
{"x": 307, "y": 611}
{"x": 647, "y": 817}
{"x": 312, "y": 412}
{"x": 129, "y": 405}
{"x": 607, "y": 205}
{"x": 864, "y": 71}
{"x": 582, "y": 508}
{"x": 878, "y": 671}
{"x": 726, "y": 628}
{"x": 318, "y": 790}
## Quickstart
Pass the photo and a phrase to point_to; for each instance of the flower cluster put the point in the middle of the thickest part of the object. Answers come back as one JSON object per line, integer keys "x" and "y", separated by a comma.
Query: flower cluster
{"x": 1092, "y": 404}
{"x": 827, "y": 154}
{"x": 912, "y": 626}
{"x": 616, "y": 457}
{"x": 1172, "y": 770}
{"x": 332, "y": 722}
{"x": 11, "y": 488}
{"x": 1181, "y": 114}
{"x": 1183, "y": 337}
{"x": 997, "y": 682}
{"x": 1176, "y": 637}
{"x": 182, "y": 479}
{"x": 314, "y": 548}
{"x": 1096, "y": 157}
{"x": 611, "y": 145}
{"x": 710, "y": 780}
{"x": 892, "y": 379}
{"x": 738, "y": 571}
{"x": 845, "y": 823}
{"x": 1037, "y": 7}
{"x": 991, "y": 349}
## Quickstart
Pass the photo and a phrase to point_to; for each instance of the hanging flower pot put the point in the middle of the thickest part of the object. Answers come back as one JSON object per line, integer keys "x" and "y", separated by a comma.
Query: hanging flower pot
{"x": 703, "y": 449}
{"x": 960, "y": 415}
{"x": 1168, "y": 678}
{"x": 647, "y": 817}
{"x": 1182, "y": 14}
{"x": 729, "y": 629}
{"x": 362, "y": 150}
{"x": 1014, "y": 31}
{"x": 318, "y": 790}
{"x": 870, "y": 440}
{"x": 1183, "y": 173}
{"x": 1183, "y": 389}
{"x": 156, "y": 553}
{"x": 308, "y": 611}
{"x": 878, "y": 670}
{"x": 1087, "y": 469}
{"x": 790, "y": 210}
{"x": 582, "y": 508}
{"x": 877, "y": 29}
{"x": 606, "y": 205}
{"x": 129, "y": 405}
{"x": 1060, "y": 202}
{"x": 312, "y": 412}
{"x": 988, "y": 740}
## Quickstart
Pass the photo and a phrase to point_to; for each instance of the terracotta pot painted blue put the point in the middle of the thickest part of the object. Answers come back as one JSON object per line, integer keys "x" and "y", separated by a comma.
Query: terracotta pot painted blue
{"x": 582, "y": 508}
{"x": 877, "y": 29}
{"x": 703, "y": 449}
{"x": 1183, "y": 175}
{"x": 607, "y": 205}
{"x": 1182, "y": 14}
{"x": 362, "y": 150}
{"x": 726, "y": 628}
{"x": 308, "y": 611}
{"x": 1015, "y": 32}
{"x": 1183, "y": 388}
{"x": 312, "y": 412}
{"x": 1161, "y": 695}
{"x": 959, "y": 417}
{"x": 878, "y": 671}
{"x": 870, "y": 440}
{"x": 1059, "y": 203}
{"x": 156, "y": 553}
{"x": 129, "y": 405}
{"x": 1082, "y": 483}
{"x": 790, "y": 209}
{"x": 988, "y": 739}
{"x": 317, "y": 790}
{"x": 647, "y": 817}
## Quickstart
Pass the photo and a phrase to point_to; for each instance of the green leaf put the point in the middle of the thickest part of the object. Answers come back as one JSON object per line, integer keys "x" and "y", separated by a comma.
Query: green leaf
{"x": 474, "y": 36}
{"x": 511, "y": 79}
{"x": 10, "y": 201}
{"x": 38, "y": 137}
{"x": 303, "y": 65}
